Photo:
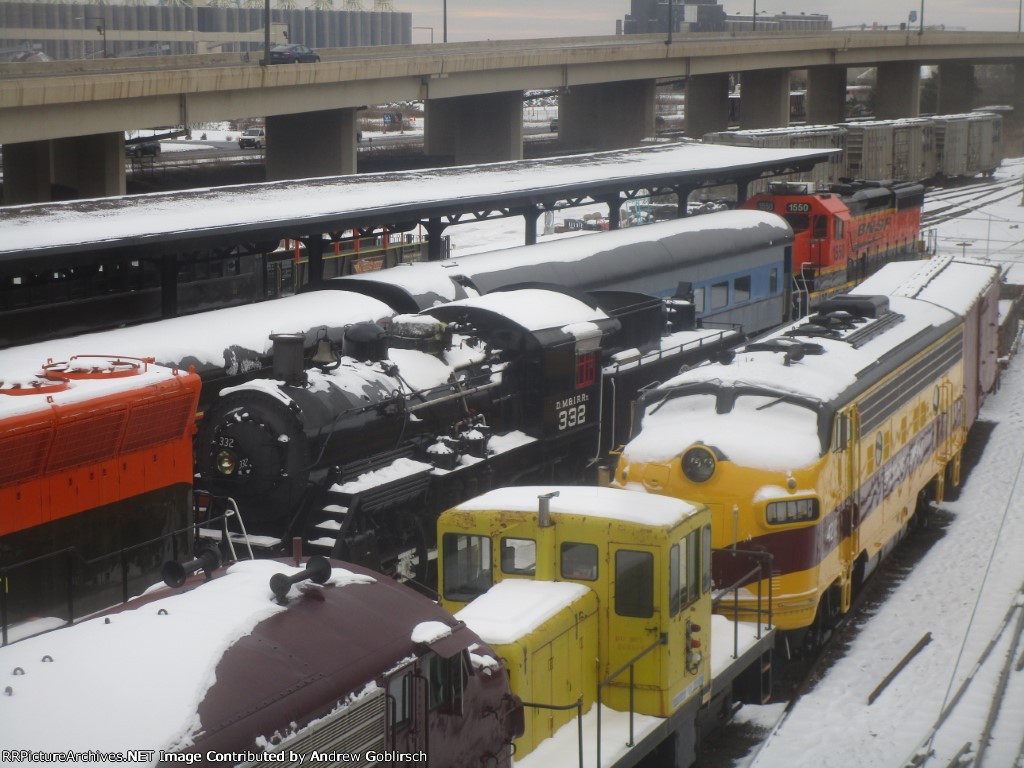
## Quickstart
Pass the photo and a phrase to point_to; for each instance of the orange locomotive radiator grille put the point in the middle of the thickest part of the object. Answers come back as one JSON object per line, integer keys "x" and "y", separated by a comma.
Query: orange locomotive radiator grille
{"x": 79, "y": 456}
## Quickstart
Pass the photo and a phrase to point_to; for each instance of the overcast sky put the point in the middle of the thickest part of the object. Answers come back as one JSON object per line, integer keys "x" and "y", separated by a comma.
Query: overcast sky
{"x": 505, "y": 19}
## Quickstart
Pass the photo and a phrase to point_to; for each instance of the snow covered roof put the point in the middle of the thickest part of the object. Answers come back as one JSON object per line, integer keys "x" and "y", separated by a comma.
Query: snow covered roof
{"x": 337, "y": 202}
{"x": 940, "y": 280}
{"x": 514, "y": 607}
{"x": 213, "y": 339}
{"x": 613, "y": 503}
{"x": 136, "y": 679}
{"x": 46, "y": 394}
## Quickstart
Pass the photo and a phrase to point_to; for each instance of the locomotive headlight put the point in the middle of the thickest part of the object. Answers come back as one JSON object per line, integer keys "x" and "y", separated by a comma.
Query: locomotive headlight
{"x": 226, "y": 462}
{"x": 698, "y": 464}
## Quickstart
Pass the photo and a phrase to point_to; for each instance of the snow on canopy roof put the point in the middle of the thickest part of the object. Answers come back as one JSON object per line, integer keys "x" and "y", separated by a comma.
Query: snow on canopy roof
{"x": 137, "y": 681}
{"x": 205, "y": 339}
{"x": 941, "y": 280}
{"x": 514, "y": 607}
{"x": 612, "y": 503}
{"x": 534, "y": 309}
{"x": 77, "y": 225}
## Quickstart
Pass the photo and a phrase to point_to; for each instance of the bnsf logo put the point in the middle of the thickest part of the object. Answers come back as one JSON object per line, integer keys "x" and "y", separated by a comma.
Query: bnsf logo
{"x": 873, "y": 227}
{"x": 798, "y": 207}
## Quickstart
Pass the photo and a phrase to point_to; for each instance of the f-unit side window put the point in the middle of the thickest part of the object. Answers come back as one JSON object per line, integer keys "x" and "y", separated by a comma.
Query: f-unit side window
{"x": 841, "y": 432}
{"x": 773, "y": 281}
{"x": 468, "y": 571}
{"x": 719, "y": 295}
{"x": 792, "y": 511}
{"x": 741, "y": 289}
{"x": 698, "y": 299}
{"x": 634, "y": 583}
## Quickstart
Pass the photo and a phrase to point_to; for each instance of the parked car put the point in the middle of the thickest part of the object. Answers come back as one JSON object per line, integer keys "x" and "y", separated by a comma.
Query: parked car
{"x": 142, "y": 149}
{"x": 293, "y": 53}
{"x": 554, "y": 125}
{"x": 252, "y": 138}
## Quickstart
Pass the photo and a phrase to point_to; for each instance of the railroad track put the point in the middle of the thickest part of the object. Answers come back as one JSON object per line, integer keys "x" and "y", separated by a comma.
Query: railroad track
{"x": 953, "y": 202}
{"x": 987, "y": 705}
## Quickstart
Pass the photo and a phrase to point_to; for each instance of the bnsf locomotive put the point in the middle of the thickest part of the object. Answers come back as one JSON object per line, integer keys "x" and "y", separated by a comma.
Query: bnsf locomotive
{"x": 820, "y": 443}
{"x": 844, "y": 233}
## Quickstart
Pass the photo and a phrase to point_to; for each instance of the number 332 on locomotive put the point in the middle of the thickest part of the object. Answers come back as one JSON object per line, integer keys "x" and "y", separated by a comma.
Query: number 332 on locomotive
{"x": 571, "y": 411}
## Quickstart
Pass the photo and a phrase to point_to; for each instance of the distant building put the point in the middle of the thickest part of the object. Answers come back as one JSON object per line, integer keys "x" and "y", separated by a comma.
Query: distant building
{"x": 79, "y": 30}
{"x": 652, "y": 17}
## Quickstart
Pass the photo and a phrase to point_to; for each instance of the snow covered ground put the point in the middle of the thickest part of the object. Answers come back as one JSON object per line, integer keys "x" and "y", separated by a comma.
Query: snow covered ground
{"x": 960, "y": 593}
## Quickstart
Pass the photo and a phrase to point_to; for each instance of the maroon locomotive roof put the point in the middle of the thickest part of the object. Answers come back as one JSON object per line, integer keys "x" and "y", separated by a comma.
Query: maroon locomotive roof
{"x": 297, "y": 665}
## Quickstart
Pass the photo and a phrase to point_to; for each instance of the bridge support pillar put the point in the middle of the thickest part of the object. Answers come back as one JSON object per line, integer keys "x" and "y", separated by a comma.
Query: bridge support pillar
{"x": 27, "y": 172}
{"x": 475, "y": 129}
{"x": 64, "y": 169}
{"x": 764, "y": 98}
{"x": 308, "y": 144}
{"x": 90, "y": 166}
{"x": 956, "y": 88}
{"x": 898, "y": 90}
{"x": 707, "y": 104}
{"x": 826, "y": 95}
{"x": 606, "y": 115}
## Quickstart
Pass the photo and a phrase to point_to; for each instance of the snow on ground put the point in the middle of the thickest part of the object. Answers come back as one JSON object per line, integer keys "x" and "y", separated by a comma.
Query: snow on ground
{"x": 959, "y": 592}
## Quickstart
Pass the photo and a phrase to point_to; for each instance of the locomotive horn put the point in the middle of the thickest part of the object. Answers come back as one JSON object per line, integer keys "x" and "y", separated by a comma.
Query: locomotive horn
{"x": 175, "y": 573}
{"x": 318, "y": 569}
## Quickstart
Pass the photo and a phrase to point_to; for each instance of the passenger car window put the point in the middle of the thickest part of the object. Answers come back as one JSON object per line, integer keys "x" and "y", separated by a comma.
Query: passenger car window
{"x": 741, "y": 289}
{"x": 719, "y": 295}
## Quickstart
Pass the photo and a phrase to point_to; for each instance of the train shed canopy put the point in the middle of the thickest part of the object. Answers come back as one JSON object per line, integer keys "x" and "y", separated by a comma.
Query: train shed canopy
{"x": 155, "y": 224}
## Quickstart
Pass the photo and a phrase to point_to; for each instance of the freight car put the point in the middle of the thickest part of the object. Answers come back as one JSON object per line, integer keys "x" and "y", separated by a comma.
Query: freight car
{"x": 600, "y": 603}
{"x": 262, "y": 662}
{"x": 95, "y": 471}
{"x": 821, "y": 442}
{"x": 908, "y": 149}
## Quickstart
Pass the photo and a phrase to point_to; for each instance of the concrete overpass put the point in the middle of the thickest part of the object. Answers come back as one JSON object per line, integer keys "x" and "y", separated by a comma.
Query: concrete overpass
{"x": 63, "y": 122}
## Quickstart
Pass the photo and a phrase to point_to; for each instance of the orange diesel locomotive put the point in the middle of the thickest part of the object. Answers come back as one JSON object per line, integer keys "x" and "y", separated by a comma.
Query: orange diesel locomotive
{"x": 844, "y": 234}
{"x": 95, "y": 473}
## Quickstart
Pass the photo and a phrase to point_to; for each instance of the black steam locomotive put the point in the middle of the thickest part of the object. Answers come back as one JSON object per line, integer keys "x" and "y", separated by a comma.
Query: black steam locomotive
{"x": 359, "y": 452}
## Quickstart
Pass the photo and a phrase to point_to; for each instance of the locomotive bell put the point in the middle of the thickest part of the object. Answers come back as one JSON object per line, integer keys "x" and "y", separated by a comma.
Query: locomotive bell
{"x": 324, "y": 358}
